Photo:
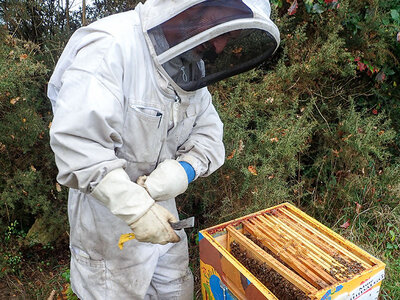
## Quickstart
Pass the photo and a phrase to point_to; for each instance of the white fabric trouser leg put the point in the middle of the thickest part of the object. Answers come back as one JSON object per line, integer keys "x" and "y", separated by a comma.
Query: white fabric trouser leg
{"x": 180, "y": 289}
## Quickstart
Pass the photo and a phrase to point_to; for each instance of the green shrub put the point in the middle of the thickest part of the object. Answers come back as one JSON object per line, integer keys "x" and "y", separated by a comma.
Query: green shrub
{"x": 28, "y": 188}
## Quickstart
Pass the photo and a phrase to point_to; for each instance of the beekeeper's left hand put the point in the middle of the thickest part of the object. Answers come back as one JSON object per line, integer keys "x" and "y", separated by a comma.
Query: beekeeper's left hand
{"x": 167, "y": 181}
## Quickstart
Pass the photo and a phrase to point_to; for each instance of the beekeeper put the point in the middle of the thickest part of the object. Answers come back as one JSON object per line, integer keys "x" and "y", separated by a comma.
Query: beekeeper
{"x": 134, "y": 124}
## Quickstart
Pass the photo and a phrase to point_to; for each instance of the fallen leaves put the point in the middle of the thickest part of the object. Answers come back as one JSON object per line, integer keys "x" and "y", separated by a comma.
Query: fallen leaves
{"x": 23, "y": 57}
{"x": 234, "y": 151}
{"x": 346, "y": 224}
{"x": 64, "y": 292}
{"x": 13, "y": 101}
{"x": 252, "y": 170}
{"x": 230, "y": 156}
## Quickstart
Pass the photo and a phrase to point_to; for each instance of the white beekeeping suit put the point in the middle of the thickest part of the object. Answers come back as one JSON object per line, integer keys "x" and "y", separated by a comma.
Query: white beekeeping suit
{"x": 131, "y": 105}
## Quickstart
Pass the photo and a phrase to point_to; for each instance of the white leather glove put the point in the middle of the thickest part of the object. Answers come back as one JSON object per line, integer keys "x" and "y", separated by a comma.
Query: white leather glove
{"x": 154, "y": 226}
{"x": 131, "y": 202}
{"x": 167, "y": 181}
{"x": 124, "y": 198}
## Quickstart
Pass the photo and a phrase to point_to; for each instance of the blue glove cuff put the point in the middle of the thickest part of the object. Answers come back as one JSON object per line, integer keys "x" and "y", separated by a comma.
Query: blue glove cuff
{"x": 189, "y": 170}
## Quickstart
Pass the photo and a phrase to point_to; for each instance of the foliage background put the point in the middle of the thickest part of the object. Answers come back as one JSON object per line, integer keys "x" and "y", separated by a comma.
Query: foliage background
{"x": 318, "y": 126}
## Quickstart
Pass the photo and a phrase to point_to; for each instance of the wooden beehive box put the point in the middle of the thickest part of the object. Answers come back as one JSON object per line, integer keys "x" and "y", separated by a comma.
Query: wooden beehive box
{"x": 282, "y": 253}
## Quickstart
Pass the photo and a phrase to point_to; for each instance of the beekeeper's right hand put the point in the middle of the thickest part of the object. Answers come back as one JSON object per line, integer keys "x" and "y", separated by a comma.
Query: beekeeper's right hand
{"x": 154, "y": 226}
{"x": 131, "y": 202}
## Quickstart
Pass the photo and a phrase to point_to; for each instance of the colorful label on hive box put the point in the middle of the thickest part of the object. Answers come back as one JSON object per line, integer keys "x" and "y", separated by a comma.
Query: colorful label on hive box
{"x": 367, "y": 290}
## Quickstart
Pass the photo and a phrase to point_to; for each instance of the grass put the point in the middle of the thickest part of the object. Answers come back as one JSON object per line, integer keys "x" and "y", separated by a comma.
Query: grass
{"x": 39, "y": 273}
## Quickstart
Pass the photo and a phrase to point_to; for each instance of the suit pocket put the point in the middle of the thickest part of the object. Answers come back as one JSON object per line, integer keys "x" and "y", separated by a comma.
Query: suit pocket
{"x": 88, "y": 276}
{"x": 142, "y": 133}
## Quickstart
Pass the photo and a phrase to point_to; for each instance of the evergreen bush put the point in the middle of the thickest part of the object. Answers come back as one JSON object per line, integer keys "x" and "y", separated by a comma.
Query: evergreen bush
{"x": 28, "y": 189}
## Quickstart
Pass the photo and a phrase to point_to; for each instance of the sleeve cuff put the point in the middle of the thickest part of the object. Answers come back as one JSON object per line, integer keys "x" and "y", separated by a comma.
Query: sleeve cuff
{"x": 191, "y": 174}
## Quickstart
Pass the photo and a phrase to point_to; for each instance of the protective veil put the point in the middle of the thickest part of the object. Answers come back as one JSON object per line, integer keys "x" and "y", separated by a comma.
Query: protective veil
{"x": 129, "y": 93}
{"x": 205, "y": 41}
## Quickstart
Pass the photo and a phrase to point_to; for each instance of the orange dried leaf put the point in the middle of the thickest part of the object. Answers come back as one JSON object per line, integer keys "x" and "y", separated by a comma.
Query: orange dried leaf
{"x": 23, "y": 56}
{"x": 230, "y": 156}
{"x": 237, "y": 50}
{"x": 33, "y": 168}
{"x": 14, "y": 100}
{"x": 252, "y": 170}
